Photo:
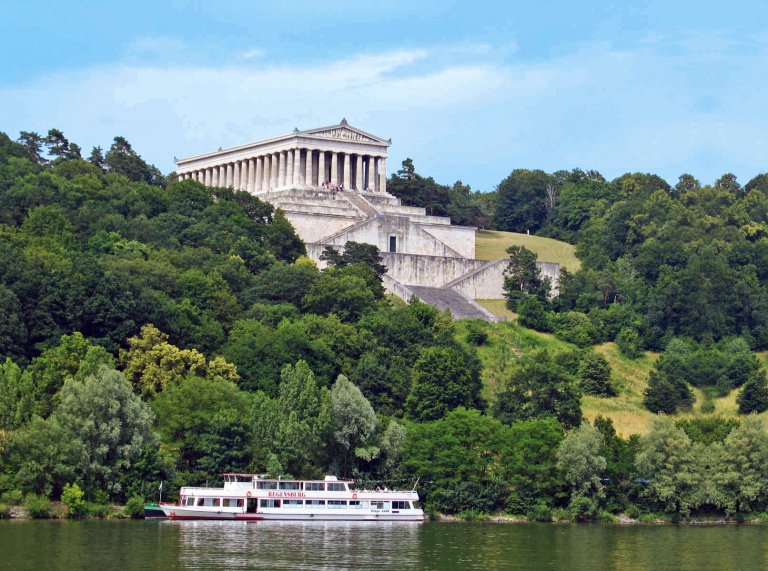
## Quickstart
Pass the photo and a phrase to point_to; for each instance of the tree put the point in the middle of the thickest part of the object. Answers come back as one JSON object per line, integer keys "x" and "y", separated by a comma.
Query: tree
{"x": 109, "y": 426}
{"x": 754, "y": 395}
{"x": 666, "y": 395}
{"x": 521, "y": 201}
{"x": 355, "y": 253}
{"x": 353, "y": 423}
{"x": 33, "y": 144}
{"x": 532, "y": 313}
{"x": 96, "y": 158}
{"x": 594, "y": 375}
{"x": 540, "y": 387}
{"x": 122, "y": 159}
{"x": 444, "y": 378}
{"x": 348, "y": 297}
{"x": 666, "y": 462}
{"x": 580, "y": 459}
{"x": 153, "y": 365}
{"x": 741, "y": 471}
{"x": 186, "y": 413}
{"x": 522, "y": 277}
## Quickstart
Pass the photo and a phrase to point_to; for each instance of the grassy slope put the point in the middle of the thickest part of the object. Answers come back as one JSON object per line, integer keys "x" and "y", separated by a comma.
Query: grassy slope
{"x": 507, "y": 341}
{"x": 492, "y": 245}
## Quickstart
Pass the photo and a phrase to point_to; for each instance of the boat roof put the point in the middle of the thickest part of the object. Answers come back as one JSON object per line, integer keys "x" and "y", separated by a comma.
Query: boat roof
{"x": 265, "y": 477}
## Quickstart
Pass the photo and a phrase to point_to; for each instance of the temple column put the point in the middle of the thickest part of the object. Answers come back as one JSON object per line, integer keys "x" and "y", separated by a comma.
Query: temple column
{"x": 214, "y": 176}
{"x": 359, "y": 172}
{"x": 308, "y": 169}
{"x": 288, "y": 168}
{"x": 383, "y": 175}
{"x": 251, "y": 184}
{"x": 297, "y": 168}
{"x": 321, "y": 176}
{"x": 207, "y": 177}
{"x": 347, "y": 171}
{"x": 282, "y": 163}
{"x": 236, "y": 174}
{"x": 230, "y": 175}
{"x": 256, "y": 186}
{"x": 274, "y": 160}
{"x": 335, "y": 168}
{"x": 372, "y": 173}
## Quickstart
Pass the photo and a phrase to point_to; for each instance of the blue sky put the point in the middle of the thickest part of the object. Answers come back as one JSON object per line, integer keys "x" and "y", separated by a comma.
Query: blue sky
{"x": 469, "y": 90}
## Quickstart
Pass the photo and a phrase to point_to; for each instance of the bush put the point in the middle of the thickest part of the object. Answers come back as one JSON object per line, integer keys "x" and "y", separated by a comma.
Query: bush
{"x": 532, "y": 313}
{"x": 12, "y": 497}
{"x": 470, "y": 515}
{"x": 540, "y": 512}
{"x": 575, "y": 327}
{"x": 632, "y": 511}
{"x": 134, "y": 507}
{"x": 100, "y": 511}
{"x": 476, "y": 336}
{"x": 754, "y": 394}
{"x": 628, "y": 342}
{"x": 74, "y": 498}
{"x": 583, "y": 509}
{"x": 594, "y": 374}
{"x": 38, "y": 507}
{"x": 5, "y": 511}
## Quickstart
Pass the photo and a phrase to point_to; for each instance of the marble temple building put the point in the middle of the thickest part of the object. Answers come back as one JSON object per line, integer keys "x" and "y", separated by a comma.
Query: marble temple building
{"x": 331, "y": 182}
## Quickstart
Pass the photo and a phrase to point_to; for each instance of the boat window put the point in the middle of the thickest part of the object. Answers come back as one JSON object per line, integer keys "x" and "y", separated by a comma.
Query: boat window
{"x": 314, "y": 486}
{"x": 380, "y": 505}
{"x": 336, "y": 487}
{"x": 243, "y": 478}
{"x": 266, "y": 485}
{"x": 190, "y": 501}
{"x": 240, "y": 503}
{"x": 290, "y": 485}
{"x": 269, "y": 503}
{"x": 216, "y": 502}
{"x": 358, "y": 504}
{"x": 231, "y": 503}
{"x": 293, "y": 503}
{"x": 200, "y": 501}
{"x": 400, "y": 506}
{"x": 337, "y": 504}
{"x": 315, "y": 503}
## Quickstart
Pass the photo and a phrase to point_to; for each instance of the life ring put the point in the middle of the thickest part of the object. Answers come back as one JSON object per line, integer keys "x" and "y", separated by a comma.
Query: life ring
{"x": 354, "y": 496}
{"x": 248, "y": 494}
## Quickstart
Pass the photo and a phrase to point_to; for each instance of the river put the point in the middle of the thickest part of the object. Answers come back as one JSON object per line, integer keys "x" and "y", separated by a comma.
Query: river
{"x": 120, "y": 545}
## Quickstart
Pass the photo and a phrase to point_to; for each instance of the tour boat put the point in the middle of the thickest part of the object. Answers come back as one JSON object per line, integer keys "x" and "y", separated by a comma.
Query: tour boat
{"x": 256, "y": 497}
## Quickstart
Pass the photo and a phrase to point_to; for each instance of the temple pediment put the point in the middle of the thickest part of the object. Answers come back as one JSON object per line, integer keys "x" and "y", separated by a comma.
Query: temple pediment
{"x": 344, "y": 132}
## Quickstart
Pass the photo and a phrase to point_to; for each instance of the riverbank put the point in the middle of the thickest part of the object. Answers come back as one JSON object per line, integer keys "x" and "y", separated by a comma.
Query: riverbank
{"x": 621, "y": 519}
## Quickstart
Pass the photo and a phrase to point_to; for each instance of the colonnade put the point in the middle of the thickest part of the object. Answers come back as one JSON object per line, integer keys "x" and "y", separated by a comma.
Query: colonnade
{"x": 297, "y": 168}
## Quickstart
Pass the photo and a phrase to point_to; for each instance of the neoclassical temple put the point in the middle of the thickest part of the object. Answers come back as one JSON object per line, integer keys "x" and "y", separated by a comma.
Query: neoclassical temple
{"x": 331, "y": 183}
{"x": 339, "y": 155}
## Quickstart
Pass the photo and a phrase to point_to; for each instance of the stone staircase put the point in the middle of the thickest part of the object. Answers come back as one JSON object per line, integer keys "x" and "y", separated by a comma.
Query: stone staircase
{"x": 361, "y": 204}
{"x": 459, "y": 306}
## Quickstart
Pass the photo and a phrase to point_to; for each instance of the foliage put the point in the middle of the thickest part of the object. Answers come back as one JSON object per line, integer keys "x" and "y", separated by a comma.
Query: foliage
{"x": 540, "y": 387}
{"x": 594, "y": 375}
{"x": 522, "y": 277}
{"x": 444, "y": 378}
{"x": 579, "y": 458}
{"x": 134, "y": 507}
{"x": 38, "y": 507}
{"x": 754, "y": 394}
{"x": 74, "y": 498}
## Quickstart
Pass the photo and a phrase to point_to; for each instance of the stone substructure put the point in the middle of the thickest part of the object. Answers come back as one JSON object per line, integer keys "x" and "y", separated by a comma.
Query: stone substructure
{"x": 303, "y": 174}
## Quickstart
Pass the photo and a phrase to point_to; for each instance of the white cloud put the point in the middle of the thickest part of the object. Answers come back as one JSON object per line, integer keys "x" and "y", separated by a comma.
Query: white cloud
{"x": 475, "y": 116}
{"x": 254, "y": 53}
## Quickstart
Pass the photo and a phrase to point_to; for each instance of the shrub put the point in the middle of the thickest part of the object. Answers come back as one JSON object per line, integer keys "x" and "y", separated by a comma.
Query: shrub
{"x": 583, "y": 508}
{"x": 594, "y": 374}
{"x": 38, "y": 507}
{"x": 134, "y": 507}
{"x": 74, "y": 498}
{"x": 540, "y": 512}
{"x": 470, "y": 515}
{"x": 628, "y": 342}
{"x": 12, "y": 497}
{"x": 5, "y": 511}
{"x": 576, "y": 328}
{"x": 632, "y": 511}
{"x": 98, "y": 510}
{"x": 477, "y": 336}
{"x": 754, "y": 394}
{"x": 532, "y": 313}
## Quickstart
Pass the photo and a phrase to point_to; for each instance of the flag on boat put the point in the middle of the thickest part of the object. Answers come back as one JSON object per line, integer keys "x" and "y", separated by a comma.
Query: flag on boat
{"x": 160, "y": 488}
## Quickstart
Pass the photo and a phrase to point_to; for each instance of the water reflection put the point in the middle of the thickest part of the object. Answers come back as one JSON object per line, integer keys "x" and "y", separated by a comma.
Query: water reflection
{"x": 297, "y": 544}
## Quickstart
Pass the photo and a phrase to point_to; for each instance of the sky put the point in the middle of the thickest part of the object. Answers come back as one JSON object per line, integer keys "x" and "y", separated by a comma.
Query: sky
{"x": 468, "y": 90}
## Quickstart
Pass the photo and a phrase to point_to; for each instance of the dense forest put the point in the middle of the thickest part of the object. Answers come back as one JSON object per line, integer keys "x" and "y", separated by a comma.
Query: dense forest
{"x": 156, "y": 330}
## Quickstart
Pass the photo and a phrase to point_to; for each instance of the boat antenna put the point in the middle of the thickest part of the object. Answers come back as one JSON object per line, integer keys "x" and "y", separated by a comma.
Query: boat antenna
{"x": 416, "y": 484}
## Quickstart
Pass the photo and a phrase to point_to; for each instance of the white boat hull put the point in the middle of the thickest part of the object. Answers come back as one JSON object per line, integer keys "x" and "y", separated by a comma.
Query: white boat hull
{"x": 182, "y": 512}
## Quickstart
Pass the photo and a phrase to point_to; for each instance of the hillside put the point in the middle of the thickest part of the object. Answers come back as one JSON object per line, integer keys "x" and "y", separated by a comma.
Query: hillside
{"x": 492, "y": 245}
{"x": 507, "y": 342}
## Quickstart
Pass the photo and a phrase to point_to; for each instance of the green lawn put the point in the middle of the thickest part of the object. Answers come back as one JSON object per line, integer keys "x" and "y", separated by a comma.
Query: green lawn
{"x": 492, "y": 245}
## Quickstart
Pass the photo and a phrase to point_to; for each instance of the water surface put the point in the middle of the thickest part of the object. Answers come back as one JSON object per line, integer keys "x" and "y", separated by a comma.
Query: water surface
{"x": 121, "y": 545}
